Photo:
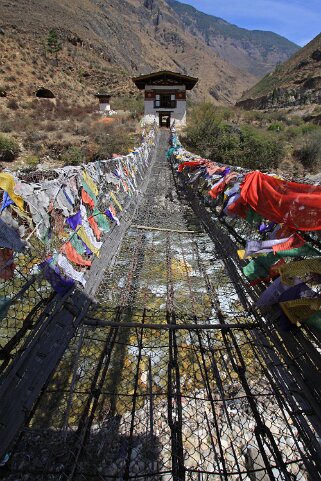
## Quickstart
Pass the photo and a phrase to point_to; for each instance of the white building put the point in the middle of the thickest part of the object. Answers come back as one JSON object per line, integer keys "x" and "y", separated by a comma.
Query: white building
{"x": 104, "y": 103}
{"x": 165, "y": 97}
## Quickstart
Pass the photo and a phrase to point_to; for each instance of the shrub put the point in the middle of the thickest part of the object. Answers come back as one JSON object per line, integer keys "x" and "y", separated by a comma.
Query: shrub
{"x": 309, "y": 128}
{"x": 135, "y": 105}
{"x": 111, "y": 137}
{"x": 11, "y": 78}
{"x": 32, "y": 160}
{"x": 260, "y": 150}
{"x": 256, "y": 115}
{"x": 209, "y": 135}
{"x": 5, "y": 126}
{"x": 12, "y": 104}
{"x": 276, "y": 116}
{"x": 41, "y": 109}
{"x": 73, "y": 156}
{"x": 203, "y": 129}
{"x": 9, "y": 148}
{"x": 310, "y": 153}
{"x": 296, "y": 121}
{"x": 49, "y": 126}
{"x": 292, "y": 133}
{"x": 276, "y": 127}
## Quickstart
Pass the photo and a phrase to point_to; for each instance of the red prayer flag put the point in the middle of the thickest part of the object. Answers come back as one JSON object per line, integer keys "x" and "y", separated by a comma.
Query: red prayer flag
{"x": 87, "y": 199}
{"x": 73, "y": 255}
{"x": 293, "y": 242}
{"x": 94, "y": 226}
{"x": 296, "y": 205}
{"x": 194, "y": 163}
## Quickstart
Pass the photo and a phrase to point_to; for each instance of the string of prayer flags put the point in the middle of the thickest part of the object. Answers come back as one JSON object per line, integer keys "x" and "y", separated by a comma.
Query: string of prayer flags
{"x": 101, "y": 220}
{"x": 110, "y": 212}
{"x": 6, "y": 201}
{"x": 113, "y": 196}
{"x": 299, "y": 310}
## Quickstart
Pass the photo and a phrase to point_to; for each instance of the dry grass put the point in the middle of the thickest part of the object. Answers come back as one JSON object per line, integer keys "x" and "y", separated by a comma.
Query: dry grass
{"x": 47, "y": 130}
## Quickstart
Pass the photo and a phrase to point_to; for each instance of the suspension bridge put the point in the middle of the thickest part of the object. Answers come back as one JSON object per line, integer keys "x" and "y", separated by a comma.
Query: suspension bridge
{"x": 160, "y": 367}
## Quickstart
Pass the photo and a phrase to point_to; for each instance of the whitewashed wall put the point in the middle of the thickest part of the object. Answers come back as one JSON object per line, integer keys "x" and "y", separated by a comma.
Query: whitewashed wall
{"x": 104, "y": 107}
{"x": 151, "y": 114}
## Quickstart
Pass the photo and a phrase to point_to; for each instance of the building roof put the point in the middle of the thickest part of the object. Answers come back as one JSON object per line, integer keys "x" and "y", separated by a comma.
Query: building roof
{"x": 103, "y": 95}
{"x": 165, "y": 77}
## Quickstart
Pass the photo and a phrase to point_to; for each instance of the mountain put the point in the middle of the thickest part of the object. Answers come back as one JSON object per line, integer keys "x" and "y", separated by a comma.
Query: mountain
{"x": 105, "y": 42}
{"x": 253, "y": 51}
{"x": 296, "y": 83}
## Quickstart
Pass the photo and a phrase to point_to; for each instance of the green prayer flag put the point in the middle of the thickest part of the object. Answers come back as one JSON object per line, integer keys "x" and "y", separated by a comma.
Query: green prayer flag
{"x": 77, "y": 244}
{"x": 101, "y": 220}
{"x": 259, "y": 267}
{"x": 305, "y": 251}
{"x": 170, "y": 151}
{"x": 89, "y": 191}
{"x": 314, "y": 321}
{"x": 253, "y": 217}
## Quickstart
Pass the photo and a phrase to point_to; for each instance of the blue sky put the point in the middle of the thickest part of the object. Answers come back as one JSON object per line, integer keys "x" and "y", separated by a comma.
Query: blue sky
{"x": 297, "y": 20}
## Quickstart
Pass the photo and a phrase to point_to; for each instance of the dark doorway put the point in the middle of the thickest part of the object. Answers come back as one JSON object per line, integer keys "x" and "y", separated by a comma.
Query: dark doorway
{"x": 165, "y": 119}
{"x": 44, "y": 93}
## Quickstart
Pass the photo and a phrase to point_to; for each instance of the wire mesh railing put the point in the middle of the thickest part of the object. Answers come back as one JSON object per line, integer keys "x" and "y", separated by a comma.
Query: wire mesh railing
{"x": 40, "y": 223}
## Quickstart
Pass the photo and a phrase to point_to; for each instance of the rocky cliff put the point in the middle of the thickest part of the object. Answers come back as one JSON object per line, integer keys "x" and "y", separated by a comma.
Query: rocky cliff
{"x": 296, "y": 83}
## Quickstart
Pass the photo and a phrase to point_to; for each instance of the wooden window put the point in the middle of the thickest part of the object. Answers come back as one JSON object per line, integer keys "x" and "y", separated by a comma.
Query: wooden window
{"x": 165, "y": 101}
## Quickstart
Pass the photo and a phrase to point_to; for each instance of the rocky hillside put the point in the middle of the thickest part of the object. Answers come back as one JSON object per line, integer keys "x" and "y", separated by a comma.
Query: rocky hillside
{"x": 252, "y": 51}
{"x": 295, "y": 84}
{"x": 104, "y": 43}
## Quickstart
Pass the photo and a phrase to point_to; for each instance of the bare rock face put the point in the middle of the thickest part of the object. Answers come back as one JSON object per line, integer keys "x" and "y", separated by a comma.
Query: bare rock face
{"x": 296, "y": 83}
{"x": 283, "y": 98}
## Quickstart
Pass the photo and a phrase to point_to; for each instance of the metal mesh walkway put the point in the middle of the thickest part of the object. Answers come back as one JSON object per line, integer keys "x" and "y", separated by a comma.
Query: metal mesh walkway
{"x": 172, "y": 375}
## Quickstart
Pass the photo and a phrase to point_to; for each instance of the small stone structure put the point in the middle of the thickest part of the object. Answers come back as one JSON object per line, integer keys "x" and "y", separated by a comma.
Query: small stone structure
{"x": 104, "y": 103}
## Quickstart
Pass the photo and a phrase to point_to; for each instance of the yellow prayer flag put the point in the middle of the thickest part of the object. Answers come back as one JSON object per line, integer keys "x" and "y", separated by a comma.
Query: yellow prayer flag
{"x": 89, "y": 181}
{"x": 7, "y": 183}
{"x": 113, "y": 196}
{"x": 81, "y": 232}
{"x": 299, "y": 310}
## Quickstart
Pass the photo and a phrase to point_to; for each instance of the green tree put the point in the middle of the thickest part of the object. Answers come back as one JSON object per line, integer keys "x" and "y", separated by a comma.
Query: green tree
{"x": 54, "y": 44}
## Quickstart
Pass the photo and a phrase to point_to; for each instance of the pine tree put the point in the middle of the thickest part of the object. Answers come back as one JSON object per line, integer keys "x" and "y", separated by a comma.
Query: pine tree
{"x": 54, "y": 44}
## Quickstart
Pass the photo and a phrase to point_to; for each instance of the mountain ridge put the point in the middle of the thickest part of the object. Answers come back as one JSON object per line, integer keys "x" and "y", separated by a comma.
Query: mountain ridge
{"x": 107, "y": 42}
{"x": 256, "y": 52}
